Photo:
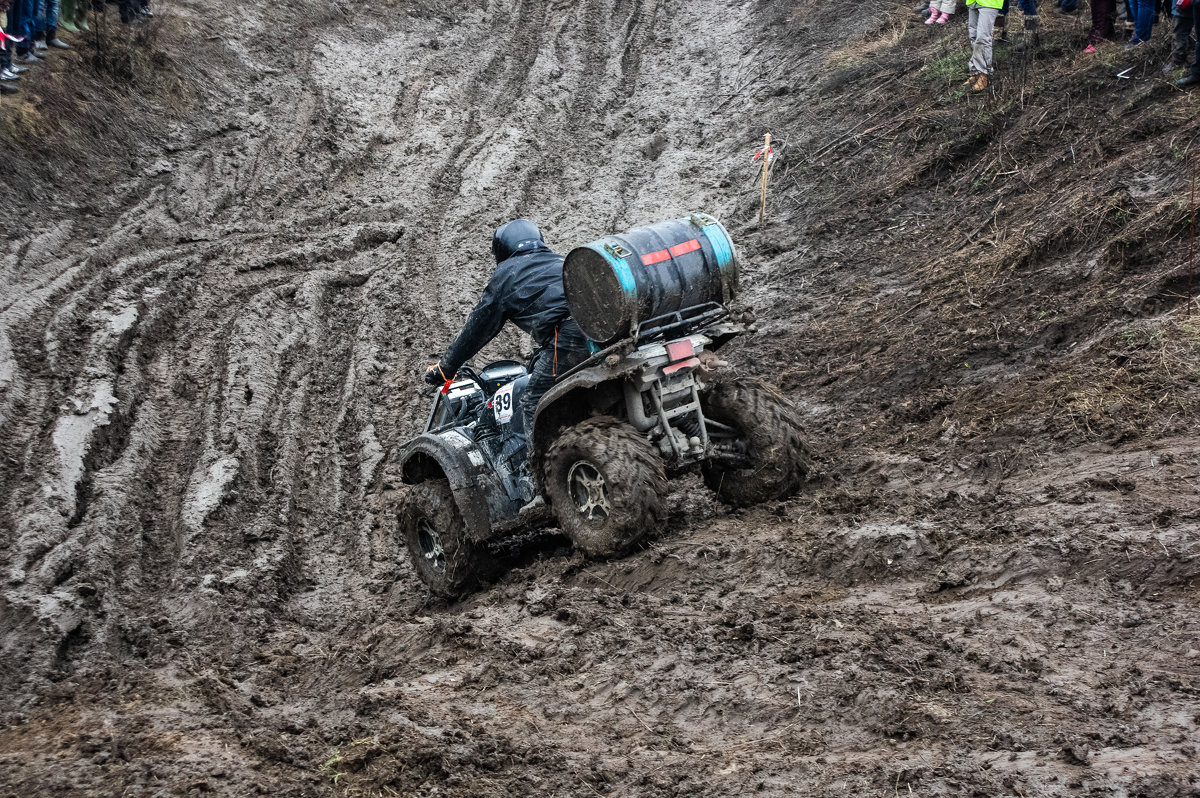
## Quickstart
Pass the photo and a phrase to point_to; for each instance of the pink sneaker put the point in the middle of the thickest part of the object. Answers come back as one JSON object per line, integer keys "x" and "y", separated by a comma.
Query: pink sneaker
{"x": 932, "y": 18}
{"x": 1091, "y": 48}
{"x": 943, "y": 19}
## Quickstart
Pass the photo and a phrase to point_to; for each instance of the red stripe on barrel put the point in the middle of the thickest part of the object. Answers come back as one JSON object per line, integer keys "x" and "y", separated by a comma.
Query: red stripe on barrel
{"x": 685, "y": 248}
{"x": 674, "y": 252}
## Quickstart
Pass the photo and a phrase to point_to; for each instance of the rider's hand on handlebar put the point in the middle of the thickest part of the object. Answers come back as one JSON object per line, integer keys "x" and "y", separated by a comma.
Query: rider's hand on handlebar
{"x": 435, "y": 376}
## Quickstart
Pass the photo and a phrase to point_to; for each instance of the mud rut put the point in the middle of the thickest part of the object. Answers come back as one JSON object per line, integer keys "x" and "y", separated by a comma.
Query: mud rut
{"x": 201, "y": 587}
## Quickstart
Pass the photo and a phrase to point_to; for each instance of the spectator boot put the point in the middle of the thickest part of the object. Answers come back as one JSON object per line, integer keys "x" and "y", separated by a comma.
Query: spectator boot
{"x": 1181, "y": 43}
{"x": 1192, "y": 79}
{"x": 1033, "y": 36}
{"x": 66, "y": 16}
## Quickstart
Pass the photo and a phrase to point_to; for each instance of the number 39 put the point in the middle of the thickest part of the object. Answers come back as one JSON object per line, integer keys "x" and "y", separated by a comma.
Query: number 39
{"x": 502, "y": 405}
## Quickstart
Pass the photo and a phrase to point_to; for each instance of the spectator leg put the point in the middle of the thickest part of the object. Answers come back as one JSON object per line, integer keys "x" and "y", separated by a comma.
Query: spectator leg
{"x": 981, "y": 47}
{"x": 972, "y": 24}
{"x": 1181, "y": 40}
{"x": 1195, "y": 9}
{"x": 20, "y": 23}
{"x": 51, "y": 19}
{"x": 1103, "y": 12}
{"x": 66, "y": 17}
{"x": 1143, "y": 21}
{"x": 39, "y": 19}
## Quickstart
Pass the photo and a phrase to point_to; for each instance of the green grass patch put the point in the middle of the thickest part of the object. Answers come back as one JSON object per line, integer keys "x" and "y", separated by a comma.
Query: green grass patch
{"x": 947, "y": 68}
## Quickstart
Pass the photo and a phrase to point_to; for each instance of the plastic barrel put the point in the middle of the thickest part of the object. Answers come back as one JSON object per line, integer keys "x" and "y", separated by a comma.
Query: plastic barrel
{"x": 619, "y": 281}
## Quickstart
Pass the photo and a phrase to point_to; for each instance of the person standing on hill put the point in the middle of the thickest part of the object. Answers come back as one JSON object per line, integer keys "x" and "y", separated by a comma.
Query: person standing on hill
{"x": 981, "y": 23}
{"x": 46, "y": 26}
{"x": 1144, "y": 12}
{"x": 1103, "y": 14}
{"x": 21, "y": 26}
{"x": 7, "y": 76}
{"x": 1193, "y": 77}
{"x": 1033, "y": 36}
{"x": 940, "y": 11}
{"x": 1182, "y": 43}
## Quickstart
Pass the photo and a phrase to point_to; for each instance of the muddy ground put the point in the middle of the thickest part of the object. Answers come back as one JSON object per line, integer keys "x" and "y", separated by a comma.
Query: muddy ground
{"x": 247, "y": 229}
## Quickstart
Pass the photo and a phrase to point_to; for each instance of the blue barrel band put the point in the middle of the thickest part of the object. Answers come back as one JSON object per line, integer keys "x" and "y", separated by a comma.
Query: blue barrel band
{"x": 721, "y": 245}
{"x": 620, "y": 268}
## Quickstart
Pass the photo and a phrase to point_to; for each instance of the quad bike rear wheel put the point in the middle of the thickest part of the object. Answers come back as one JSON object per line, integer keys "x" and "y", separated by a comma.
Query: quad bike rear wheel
{"x": 606, "y": 484}
{"x": 769, "y": 435}
{"x": 444, "y": 557}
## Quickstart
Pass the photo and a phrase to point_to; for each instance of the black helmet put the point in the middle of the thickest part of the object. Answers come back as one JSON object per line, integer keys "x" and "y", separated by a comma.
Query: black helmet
{"x": 512, "y": 237}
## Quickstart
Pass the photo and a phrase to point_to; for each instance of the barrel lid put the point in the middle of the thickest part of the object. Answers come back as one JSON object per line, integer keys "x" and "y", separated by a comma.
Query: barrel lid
{"x": 596, "y": 293}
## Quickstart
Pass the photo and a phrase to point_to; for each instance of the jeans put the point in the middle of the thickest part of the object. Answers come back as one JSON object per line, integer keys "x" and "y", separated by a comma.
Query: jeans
{"x": 21, "y": 22}
{"x": 1143, "y": 20}
{"x": 46, "y": 18}
{"x": 1070, "y": 5}
{"x": 1028, "y": 7}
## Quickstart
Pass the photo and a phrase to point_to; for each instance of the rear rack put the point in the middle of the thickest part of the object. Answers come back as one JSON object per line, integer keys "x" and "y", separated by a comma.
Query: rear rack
{"x": 679, "y": 321}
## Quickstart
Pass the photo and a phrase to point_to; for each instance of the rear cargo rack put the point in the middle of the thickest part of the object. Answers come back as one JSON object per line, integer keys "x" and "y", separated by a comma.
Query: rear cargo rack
{"x": 679, "y": 322}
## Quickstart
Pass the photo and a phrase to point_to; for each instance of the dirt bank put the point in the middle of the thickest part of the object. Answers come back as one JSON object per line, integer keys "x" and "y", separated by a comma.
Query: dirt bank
{"x": 207, "y": 358}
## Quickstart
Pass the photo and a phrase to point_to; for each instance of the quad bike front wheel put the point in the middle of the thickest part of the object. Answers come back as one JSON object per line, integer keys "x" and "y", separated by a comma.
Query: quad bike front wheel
{"x": 434, "y": 532}
{"x": 606, "y": 484}
{"x": 768, "y": 440}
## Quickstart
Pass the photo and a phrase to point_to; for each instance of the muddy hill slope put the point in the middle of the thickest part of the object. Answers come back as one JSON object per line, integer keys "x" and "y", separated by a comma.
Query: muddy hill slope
{"x": 244, "y": 229}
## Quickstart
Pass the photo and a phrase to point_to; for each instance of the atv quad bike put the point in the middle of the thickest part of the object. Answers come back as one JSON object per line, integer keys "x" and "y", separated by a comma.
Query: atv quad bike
{"x": 652, "y": 402}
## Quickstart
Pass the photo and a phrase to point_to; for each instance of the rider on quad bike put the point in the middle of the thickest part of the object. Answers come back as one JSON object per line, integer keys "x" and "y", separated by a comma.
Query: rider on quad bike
{"x": 527, "y": 289}
{"x": 625, "y": 393}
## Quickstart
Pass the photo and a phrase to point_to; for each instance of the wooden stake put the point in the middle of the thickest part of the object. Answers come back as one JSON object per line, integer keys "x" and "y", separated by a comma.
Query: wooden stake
{"x": 766, "y": 166}
{"x": 1192, "y": 241}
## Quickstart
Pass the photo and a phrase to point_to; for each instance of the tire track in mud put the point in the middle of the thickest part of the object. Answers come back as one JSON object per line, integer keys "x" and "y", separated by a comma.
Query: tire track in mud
{"x": 226, "y": 428}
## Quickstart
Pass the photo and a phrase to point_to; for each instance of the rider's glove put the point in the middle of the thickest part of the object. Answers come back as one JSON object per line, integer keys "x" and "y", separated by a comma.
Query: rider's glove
{"x": 435, "y": 376}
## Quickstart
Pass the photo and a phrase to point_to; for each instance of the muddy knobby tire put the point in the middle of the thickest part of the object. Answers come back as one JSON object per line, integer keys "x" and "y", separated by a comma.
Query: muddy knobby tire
{"x": 779, "y": 459}
{"x": 630, "y": 471}
{"x": 436, "y": 537}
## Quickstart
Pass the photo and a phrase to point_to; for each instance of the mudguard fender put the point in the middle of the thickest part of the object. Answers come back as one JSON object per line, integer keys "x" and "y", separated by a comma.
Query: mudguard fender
{"x": 570, "y": 400}
{"x": 476, "y": 489}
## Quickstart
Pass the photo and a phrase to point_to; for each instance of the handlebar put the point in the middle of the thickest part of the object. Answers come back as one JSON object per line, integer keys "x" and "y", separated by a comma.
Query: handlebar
{"x": 464, "y": 371}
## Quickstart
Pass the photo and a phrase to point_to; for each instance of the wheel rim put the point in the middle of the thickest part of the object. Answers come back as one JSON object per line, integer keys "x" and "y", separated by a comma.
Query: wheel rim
{"x": 589, "y": 491}
{"x": 431, "y": 546}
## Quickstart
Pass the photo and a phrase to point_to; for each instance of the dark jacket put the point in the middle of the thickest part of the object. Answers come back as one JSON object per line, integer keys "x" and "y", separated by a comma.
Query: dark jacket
{"x": 526, "y": 289}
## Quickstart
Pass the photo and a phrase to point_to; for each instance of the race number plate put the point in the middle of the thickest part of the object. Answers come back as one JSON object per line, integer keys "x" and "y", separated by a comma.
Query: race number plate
{"x": 503, "y": 404}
